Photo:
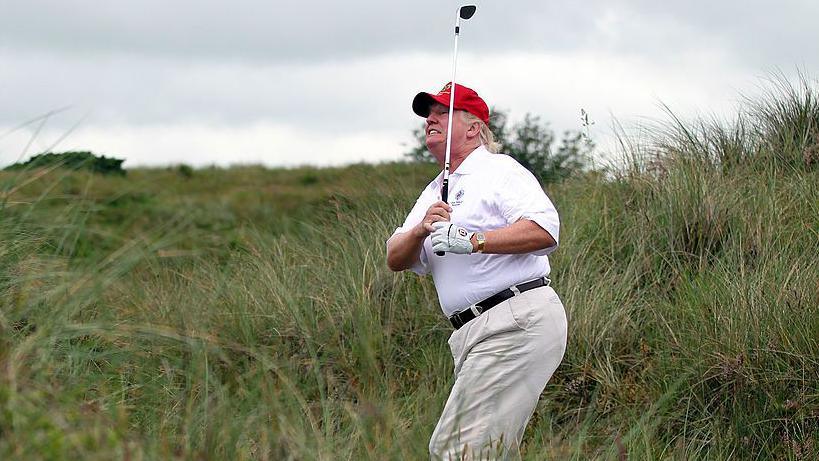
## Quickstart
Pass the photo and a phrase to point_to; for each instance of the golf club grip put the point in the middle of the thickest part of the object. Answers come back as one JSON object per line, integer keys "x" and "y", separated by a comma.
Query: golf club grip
{"x": 444, "y": 197}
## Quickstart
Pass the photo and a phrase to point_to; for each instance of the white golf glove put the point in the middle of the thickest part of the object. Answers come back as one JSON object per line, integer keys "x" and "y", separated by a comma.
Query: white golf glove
{"x": 450, "y": 238}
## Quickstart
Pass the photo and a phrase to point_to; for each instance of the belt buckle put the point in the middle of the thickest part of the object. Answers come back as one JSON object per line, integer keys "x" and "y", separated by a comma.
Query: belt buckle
{"x": 456, "y": 320}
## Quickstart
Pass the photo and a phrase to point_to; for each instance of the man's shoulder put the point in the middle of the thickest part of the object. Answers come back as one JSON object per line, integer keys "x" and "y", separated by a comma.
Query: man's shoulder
{"x": 500, "y": 163}
{"x": 502, "y": 159}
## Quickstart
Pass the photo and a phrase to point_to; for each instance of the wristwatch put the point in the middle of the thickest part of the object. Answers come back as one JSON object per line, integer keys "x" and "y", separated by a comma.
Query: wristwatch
{"x": 481, "y": 239}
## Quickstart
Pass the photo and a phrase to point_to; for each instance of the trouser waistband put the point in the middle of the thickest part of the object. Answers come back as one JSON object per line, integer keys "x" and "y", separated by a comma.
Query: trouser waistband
{"x": 460, "y": 319}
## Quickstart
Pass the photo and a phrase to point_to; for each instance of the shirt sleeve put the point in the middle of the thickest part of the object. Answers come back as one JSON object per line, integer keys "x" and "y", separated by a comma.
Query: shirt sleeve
{"x": 522, "y": 197}
{"x": 413, "y": 218}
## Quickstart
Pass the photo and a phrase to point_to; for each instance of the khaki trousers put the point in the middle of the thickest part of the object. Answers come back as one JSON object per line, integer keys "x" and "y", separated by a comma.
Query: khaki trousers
{"x": 503, "y": 360}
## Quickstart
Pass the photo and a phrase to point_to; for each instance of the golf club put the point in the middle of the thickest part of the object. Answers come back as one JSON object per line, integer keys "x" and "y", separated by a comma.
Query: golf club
{"x": 465, "y": 12}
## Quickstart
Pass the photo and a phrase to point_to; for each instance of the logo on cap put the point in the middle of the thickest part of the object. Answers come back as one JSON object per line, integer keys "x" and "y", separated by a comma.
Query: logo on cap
{"x": 446, "y": 89}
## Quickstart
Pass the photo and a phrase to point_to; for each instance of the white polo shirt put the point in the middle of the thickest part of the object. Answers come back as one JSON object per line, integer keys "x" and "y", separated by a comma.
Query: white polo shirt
{"x": 488, "y": 191}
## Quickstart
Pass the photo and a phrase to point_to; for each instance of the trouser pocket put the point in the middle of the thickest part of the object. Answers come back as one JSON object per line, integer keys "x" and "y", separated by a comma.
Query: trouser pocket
{"x": 495, "y": 321}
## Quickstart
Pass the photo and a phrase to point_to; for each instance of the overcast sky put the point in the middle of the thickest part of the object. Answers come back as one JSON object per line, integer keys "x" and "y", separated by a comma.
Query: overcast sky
{"x": 328, "y": 83}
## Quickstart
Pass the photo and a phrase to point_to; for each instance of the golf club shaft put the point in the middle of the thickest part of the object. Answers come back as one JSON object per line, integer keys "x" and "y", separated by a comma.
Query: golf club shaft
{"x": 445, "y": 183}
{"x": 444, "y": 190}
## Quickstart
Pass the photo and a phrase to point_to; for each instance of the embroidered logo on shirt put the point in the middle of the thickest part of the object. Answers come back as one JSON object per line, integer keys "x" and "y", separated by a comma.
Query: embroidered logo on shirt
{"x": 459, "y": 198}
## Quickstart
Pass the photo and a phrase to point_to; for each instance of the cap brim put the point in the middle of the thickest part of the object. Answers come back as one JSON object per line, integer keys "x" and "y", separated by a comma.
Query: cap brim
{"x": 423, "y": 101}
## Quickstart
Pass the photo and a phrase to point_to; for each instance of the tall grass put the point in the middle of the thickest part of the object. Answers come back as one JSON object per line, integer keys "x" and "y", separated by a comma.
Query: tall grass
{"x": 248, "y": 313}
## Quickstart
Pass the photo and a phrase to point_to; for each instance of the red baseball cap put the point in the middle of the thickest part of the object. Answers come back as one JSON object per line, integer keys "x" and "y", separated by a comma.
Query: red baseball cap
{"x": 465, "y": 99}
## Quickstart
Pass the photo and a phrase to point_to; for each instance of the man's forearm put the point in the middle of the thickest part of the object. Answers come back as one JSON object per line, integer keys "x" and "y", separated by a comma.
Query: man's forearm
{"x": 404, "y": 250}
{"x": 524, "y": 236}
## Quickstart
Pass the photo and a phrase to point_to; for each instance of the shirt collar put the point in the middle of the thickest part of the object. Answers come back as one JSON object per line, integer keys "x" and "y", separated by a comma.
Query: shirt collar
{"x": 470, "y": 165}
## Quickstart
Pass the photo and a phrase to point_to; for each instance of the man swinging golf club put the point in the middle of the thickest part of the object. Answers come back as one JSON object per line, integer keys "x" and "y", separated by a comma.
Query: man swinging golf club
{"x": 496, "y": 234}
{"x": 487, "y": 250}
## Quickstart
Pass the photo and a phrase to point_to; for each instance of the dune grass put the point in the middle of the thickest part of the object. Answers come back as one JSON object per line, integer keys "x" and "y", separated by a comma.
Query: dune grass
{"x": 248, "y": 313}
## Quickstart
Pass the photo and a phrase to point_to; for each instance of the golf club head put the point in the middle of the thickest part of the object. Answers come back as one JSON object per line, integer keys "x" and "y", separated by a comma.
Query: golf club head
{"x": 467, "y": 11}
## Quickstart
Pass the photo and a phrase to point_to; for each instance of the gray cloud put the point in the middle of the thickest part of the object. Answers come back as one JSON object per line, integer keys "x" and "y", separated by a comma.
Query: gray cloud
{"x": 138, "y": 90}
{"x": 241, "y": 30}
{"x": 308, "y": 31}
{"x": 338, "y": 68}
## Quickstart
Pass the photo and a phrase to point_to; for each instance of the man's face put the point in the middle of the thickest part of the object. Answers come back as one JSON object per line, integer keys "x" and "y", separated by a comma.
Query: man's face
{"x": 436, "y": 130}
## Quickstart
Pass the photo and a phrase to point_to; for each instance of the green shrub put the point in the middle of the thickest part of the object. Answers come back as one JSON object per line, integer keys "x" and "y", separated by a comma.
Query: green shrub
{"x": 74, "y": 160}
{"x": 531, "y": 142}
{"x": 186, "y": 171}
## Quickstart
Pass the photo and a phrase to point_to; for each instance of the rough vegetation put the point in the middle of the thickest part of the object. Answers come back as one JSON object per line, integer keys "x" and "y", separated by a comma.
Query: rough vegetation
{"x": 248, "y": 313}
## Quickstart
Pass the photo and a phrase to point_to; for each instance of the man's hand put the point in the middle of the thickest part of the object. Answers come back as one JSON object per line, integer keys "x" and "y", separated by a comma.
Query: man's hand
{"x": 437, "y": 212}
{"x": 450, "y": 238}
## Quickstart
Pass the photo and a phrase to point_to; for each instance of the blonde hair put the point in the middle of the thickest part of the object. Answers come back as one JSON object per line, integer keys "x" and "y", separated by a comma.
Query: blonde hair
{"x": 487, "y": 138}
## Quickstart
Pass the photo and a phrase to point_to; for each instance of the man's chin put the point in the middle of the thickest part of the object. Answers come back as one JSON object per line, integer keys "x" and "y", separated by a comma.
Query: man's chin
{"x": 436, "y": 147}
{"x": 438, "y": 151}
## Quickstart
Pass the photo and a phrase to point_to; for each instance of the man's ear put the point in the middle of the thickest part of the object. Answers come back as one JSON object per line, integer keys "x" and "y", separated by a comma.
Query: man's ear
{"x": 474, "y": 130}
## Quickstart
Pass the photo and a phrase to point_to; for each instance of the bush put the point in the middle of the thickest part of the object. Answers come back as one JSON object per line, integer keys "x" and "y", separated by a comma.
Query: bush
{"x": 530, "y": 142}
{"x": 73, "y": 160}
{"x": 184, "y": 170}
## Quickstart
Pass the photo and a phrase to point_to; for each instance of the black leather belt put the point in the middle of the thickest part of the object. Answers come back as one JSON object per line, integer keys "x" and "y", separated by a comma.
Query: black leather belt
{"x": 460, "y": 319}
